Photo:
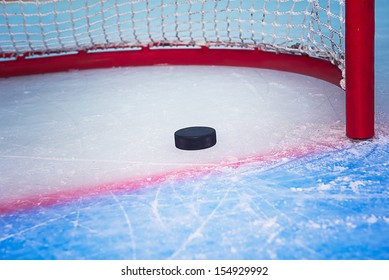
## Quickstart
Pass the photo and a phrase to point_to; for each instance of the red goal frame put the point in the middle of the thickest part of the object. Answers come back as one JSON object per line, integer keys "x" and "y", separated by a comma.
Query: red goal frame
{"x": 360, "y": 26}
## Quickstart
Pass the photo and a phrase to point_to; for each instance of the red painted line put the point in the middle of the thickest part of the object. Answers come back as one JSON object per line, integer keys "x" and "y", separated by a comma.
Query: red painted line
{"x": 301, "y": 64}
{"x": 45, "y": 200}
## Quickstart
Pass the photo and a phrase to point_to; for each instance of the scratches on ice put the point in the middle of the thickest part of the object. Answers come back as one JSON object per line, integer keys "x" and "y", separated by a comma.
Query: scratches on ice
{"x": 198, "y": 231}
{"x": 29, "y": 229}
{"x": 154, "y": 208}
{"x": 128, "y": 223}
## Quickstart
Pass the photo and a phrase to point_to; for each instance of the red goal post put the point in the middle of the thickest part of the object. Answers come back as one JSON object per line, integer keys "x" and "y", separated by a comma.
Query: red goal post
{"x": 360, "y": 29}
{"x": 331, "y": 40}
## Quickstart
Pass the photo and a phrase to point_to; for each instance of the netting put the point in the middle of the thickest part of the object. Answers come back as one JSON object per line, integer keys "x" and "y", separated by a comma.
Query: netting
{"x": 39, "y": 27}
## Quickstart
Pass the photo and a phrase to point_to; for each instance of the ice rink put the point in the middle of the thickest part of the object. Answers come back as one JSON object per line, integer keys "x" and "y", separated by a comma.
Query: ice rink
{"x": 88, "y": 167}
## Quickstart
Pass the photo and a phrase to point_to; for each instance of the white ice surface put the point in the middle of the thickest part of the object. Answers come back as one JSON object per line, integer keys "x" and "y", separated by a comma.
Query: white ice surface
{"x": 66, "y": 130}
{"x": 330, "y": 206}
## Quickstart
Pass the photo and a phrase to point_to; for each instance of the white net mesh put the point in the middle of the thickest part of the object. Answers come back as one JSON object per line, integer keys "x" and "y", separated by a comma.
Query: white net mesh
{"x": 312, "y": 27}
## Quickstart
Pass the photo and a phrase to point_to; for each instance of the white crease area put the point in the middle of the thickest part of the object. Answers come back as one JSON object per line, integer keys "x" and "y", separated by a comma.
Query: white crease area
{"x": 60, "y": 159}
{"x": 86, "y": 126}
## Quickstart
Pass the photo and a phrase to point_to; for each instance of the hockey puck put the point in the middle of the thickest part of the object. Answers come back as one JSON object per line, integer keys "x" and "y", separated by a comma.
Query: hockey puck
{"x": 195, "y": 138}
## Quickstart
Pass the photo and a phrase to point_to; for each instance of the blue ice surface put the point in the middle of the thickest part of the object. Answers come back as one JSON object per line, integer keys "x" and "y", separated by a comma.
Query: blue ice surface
{"x": 325, "y": 206}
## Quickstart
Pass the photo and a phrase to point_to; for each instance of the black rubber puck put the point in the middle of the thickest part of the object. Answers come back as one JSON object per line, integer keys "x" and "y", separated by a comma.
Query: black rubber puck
{"x": 195, "y": 138}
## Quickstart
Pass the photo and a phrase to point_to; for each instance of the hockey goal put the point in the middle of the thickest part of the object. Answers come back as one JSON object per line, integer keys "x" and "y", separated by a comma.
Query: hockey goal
{"x": 313, "y": 37}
